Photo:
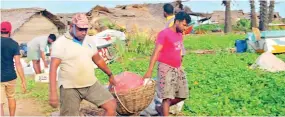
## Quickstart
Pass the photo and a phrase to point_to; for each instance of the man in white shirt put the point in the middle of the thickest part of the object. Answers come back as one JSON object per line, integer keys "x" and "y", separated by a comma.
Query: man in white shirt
{"x": 76, "y": 56}
{"x": 36, "y": 50}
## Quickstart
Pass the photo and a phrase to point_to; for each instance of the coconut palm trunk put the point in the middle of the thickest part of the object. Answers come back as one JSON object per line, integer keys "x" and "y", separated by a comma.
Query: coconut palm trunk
{"x": 253, "y": 14}
{"x": 271, "y": 11}
{"x": 263, "y": 15}
{"x": 228, "y": 22}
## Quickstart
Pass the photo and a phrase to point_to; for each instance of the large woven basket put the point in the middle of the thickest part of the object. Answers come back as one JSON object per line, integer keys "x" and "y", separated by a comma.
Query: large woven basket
{"x": 135, "y": 100}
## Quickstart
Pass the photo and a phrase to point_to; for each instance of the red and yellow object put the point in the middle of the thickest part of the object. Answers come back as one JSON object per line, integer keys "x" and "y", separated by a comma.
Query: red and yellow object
{"x": 188, "y": 30}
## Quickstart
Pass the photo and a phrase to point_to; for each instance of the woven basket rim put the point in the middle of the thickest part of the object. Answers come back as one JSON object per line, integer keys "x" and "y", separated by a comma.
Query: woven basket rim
{"x": 137, "y": 88}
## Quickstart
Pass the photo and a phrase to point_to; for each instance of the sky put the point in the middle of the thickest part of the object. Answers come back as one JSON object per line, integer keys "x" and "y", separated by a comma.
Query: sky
{"x": 72, "y": 6}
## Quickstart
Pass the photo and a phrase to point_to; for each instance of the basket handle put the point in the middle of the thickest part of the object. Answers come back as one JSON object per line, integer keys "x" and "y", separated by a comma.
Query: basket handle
{"x": 121, "y": 101}
{"x": 151, "y": 80}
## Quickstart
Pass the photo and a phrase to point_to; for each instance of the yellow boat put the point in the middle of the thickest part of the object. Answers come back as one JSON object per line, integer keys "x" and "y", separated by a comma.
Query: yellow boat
{"x": 278, "y": 49}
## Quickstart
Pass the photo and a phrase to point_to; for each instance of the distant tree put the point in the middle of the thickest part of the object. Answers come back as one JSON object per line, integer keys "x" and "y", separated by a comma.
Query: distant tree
{"x": 228, "y": 22}
{"x": 263, "y": 15}
{"x": 253, "y": 14}
{"x": 271, "y": 11}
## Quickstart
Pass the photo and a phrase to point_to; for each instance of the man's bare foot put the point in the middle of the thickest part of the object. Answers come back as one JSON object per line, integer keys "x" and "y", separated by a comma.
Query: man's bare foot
{"x": 159, "y": 110}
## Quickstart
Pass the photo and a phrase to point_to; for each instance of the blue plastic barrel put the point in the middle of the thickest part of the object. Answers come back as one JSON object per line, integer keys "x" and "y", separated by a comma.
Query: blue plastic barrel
{"x": 241, "y": 46}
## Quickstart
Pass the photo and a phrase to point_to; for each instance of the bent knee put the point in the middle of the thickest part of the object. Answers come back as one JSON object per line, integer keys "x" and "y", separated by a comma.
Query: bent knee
{"x": 111, "y": 106}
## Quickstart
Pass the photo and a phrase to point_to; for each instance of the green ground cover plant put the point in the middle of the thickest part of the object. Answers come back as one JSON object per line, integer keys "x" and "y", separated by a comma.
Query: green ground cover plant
{"x": 220, "y": 84}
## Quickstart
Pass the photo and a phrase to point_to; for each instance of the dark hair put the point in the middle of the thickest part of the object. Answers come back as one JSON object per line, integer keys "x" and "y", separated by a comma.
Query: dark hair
{"x": 187, "y": 18}
{"x": 168, "y": 8}
{"x": 180, "y": 16}
{"x": 52, "y": 37}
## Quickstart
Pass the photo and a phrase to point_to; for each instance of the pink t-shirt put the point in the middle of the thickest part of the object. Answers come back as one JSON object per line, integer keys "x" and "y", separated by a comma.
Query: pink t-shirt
{"x": 172, "y": 45}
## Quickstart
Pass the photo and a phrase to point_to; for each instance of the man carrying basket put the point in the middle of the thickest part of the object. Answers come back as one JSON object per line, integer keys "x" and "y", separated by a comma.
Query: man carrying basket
{"x": 76, "y": 56}
{"x": 172, "y": 84}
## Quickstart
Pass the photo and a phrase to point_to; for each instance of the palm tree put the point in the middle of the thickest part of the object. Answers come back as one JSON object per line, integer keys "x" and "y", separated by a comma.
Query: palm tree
{"x": 228, "y": 22}
{"x": 263, "y": 15}
{"x": 271, "y": 11}
{"x": 253, "y": 14}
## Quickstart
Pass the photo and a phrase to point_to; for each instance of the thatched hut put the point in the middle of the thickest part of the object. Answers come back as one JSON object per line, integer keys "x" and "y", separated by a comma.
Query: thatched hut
{"x": 144, "y": 17}
{"x": 28, "y": 23}
{"x": 219, "y": 16}
{"x": 65, "y": 17}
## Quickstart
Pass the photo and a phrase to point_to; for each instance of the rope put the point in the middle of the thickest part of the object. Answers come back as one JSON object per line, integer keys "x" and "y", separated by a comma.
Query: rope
{"x": 121, "y": 101}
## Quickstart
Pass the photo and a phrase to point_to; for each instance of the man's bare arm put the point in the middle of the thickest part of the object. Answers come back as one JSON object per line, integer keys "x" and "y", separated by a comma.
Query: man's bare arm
{"x": 153, "y": 60}
{"x": 53, "y": 74}
{"x": 99, "y": 61}
{"x": 19, "y": 68}
{"x": 43, "y": 56}
{"x": 154, "y": 56}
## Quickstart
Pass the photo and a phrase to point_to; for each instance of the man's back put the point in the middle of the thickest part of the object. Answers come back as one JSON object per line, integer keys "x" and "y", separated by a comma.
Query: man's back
{"x": 38, "y": 42}
{"x": 9, "y": 48}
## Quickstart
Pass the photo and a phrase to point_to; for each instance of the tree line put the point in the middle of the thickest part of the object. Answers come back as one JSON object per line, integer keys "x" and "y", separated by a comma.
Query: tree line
{"x": 266, "y": 14}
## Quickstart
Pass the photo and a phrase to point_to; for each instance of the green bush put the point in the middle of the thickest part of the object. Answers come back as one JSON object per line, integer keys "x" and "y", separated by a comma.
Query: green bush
{"x": 110, "y": 25}
{"x": 276, "y": 22}
{"x": 209, "y": 27}
{"x": 242, "y": 25}
{"x": 274, "y": 28}
{"x": 140, "y": 43}
{"x": 211, "y": 41}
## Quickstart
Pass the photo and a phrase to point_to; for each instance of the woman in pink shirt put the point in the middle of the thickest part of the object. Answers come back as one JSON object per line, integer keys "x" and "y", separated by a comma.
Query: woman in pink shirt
{"x": 172, "y": 84}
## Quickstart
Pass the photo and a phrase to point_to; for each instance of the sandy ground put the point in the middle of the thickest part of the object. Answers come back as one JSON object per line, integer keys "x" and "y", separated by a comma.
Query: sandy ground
{"x": 26, "y": 107}
{"x": 29, "y": 107}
